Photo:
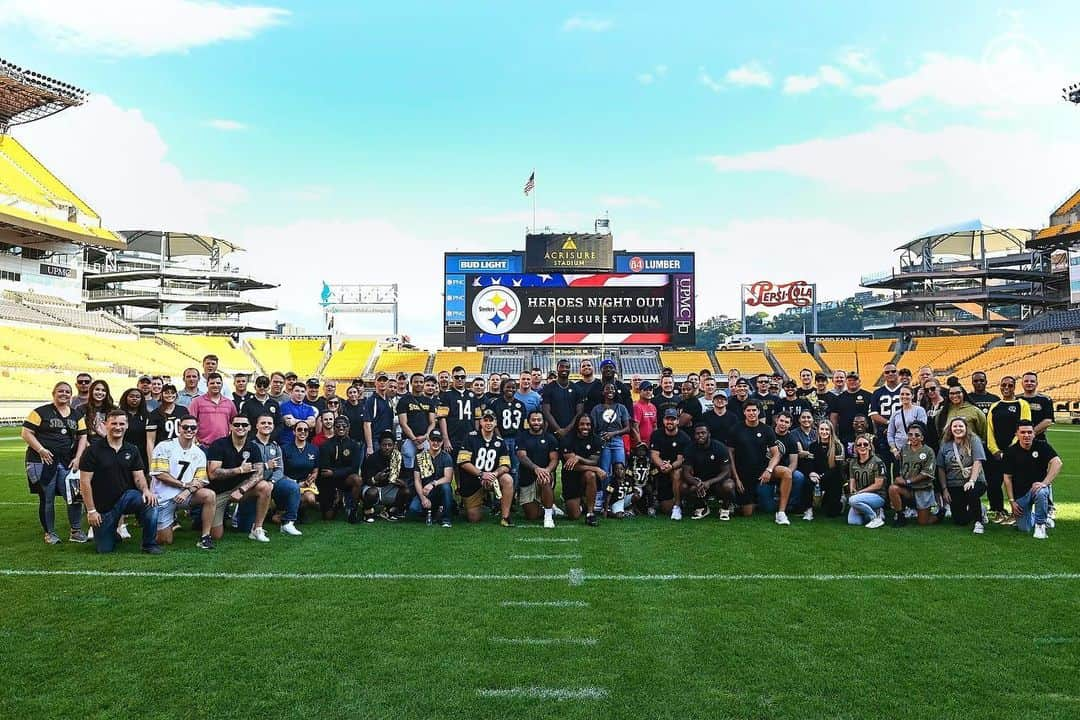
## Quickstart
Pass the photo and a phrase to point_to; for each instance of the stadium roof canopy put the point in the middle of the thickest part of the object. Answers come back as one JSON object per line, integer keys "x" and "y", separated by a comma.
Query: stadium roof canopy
{"x": 26, "y": 96}
{"x": 177, "y": 244}
{"x": 970, "y": 240}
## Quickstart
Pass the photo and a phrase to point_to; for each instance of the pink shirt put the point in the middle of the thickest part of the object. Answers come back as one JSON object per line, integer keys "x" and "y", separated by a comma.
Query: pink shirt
{"x": 214, "y": 418}
{"x": 645, "y": 417}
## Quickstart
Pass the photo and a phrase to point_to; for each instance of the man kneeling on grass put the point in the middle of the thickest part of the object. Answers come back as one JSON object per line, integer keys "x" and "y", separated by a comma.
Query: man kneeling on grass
{"x": 707, "y": 474}
{"x": 538, "y": 456}
{"x": 432, "y": 480}
{"x": 236, "y": 471}
{"x": 383, "y": 482}
{"x": 178, "y": 468}
{"x": 113, "y": 485}
{"x": 484, "y": 464}
{"x": 1030, "y": 468}
{"x": 581, "y": 470}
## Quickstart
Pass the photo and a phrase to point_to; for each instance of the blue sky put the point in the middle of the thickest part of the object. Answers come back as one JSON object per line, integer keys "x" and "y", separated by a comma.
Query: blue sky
{"x": 780, "y": 141}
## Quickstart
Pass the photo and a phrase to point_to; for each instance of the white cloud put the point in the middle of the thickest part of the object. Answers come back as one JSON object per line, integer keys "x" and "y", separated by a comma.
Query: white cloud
{"x": 584, "y": 23}
{"x": 924, "y": 179}
{"x": 657, "y": 73}
{"x": 136, "y": 27}
{"x": 226, "y": 125}
{"x": 708, "y": 81}
{"x": 825, "y": 75}
{"x": 749, "y": 74}
{"x": 628, "y": 201}
{"x": 116, "y": 160}
{"x": 1013, "y": 72}
{"x": 859, "y": 62}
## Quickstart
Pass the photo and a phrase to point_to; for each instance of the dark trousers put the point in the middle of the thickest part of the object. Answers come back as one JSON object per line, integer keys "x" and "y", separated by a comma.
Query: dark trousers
{"x": 832, "y": 493}
{"x": 967, "y": 504}
{"x": 995, "y": 476}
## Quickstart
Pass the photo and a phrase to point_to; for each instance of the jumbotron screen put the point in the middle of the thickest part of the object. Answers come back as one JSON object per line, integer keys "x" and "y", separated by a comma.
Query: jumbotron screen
{"x": 647, "y": 299}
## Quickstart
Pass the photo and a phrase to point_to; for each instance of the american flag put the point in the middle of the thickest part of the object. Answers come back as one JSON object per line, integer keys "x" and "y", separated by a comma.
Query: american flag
{"x": 530, "y": 183}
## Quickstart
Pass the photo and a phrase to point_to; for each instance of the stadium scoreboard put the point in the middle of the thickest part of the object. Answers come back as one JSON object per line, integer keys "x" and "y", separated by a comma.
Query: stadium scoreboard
{"x": 569, "y": 289}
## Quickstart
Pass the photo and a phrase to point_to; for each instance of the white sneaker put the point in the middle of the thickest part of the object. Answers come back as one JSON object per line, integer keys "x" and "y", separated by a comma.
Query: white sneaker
{"x": 808, "y": 515}
{"x": 948, "y": 511}
{"x": 875, "y": 523}
{"x": 781, "y": 518}
{"x": 676, "y": 513}
{"x": 122, "y": 532}
{"x": 700, "y": 513}
{"x": 1050, "y": 523}
{"x": 725, "y": 514}
{"x": 559, "y": 512}
{"x": 90, "y": 533}
{"x": 549, "y": 522}
{"x": 979, "y": 528}
{"x": 289, "y": 529}
{"x": 1040, "y": 532}
{"x": 258, "y": 534}
{"x": 910, "y": 513}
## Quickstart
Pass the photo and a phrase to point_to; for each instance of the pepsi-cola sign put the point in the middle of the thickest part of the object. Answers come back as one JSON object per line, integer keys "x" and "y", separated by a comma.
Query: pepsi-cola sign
{"x": 767, "y": 294}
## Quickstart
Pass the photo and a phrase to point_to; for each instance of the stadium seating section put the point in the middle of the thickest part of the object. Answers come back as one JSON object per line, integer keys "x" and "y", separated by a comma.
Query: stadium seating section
{"x": 501, "y": 362}
{"x": 349, "y": 360}
{"x": 302, "y": 356}
{"x": 684, "y": 362}
{"x": 792, "y": 357}
{"x": 231, "y": 359}
{"x": 406, "y": 361}
{"x": 747, "y": 362}
{"x": 472, "y": 361}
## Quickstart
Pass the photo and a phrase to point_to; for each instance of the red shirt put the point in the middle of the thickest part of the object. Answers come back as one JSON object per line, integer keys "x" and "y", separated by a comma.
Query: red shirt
{"x": 319, "y": 439}
{"x": 645, "y": 417}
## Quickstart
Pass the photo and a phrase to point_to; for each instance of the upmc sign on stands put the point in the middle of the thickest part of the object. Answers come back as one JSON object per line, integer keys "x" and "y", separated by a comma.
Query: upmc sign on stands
{"x": 545, "y": 252}
{"x": 763, "y": 293}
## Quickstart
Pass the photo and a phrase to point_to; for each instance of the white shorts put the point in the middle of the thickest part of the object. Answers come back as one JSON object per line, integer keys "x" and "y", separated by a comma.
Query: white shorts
{"x": 924, "y": 499}
{"x": 167, "y": 511}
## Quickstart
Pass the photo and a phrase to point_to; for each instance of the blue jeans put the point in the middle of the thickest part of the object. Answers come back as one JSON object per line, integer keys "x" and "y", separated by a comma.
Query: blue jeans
{"x": 440, "y": 496}
{"x": 286, "y": 497}
{"x": 863, "y": 507}
{"x": 408, "y": 454}
{"x": 48, "y": 481}
{"x": 1034, "y": 506}
{"x": 130, "y": 503}
{"x": 767, "y": 498}
{"x": 613, "y": 452}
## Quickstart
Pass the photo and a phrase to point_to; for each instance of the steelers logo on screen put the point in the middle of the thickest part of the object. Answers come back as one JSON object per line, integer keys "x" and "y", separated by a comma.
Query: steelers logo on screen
{"x": 496, "y": 310}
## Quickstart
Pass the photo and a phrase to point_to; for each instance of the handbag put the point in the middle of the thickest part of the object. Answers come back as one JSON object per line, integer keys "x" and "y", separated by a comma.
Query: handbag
{"x": 72, "y": 489}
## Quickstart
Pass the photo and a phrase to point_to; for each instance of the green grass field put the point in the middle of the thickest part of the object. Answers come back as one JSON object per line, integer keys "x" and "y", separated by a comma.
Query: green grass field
{"x": 642, "y": 618}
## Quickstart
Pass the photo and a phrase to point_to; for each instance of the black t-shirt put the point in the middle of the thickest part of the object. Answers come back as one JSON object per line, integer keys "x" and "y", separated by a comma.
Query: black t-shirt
{"x": 563, "y": 402}
{"x": 113, "y": 472}
{"x": 439, "y": 463}
{"x": 1027, "y": 467}
{"x": 223, "y": 451}
{"x": 586, "y": 448}
{"x": 417, "y": 410}
{"x": 485, "y": 456}
{"x": 692, "y": 407}
{"x": 1042, "y": 408}
{"x": 721, "y": 426}
{"x": 788, "y": 445}
{"x": 357, "y": 418}
{"x": 735, "y": 407}
{"x": 669, "y": 447}
{"x": 58, "y": 434}
{"x": 509, "y": 416}
{"x": 589, "y": 393}
{"x": 662, "y": 403}
{"x": 983, "y": 401}
{"x": 460, "y": 408}
{"x": 166, "y": 425}
{"x": 794, "y": 408}
{"x": 136, "y": 434}
{"x": 379, "y": 413}
{"x": 340, "y": 455}
{"x": 751, "y": 446}
{"x": 253, "y": 409}
{"x": 847, "y": 406}
{"x": 373, "y": 465}
{"x": 538, "y": 449}
{"x": 708, "y": 461}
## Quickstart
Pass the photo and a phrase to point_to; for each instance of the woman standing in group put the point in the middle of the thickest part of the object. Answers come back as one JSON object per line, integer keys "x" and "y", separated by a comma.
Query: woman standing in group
{"x": 99, "y": 403}
{"x": 958, "y": 406}
{"x": 866, "y": 484}
{"x": 325, "y": 427}
{"x": 828, "y": 469}
{"x": 960, "y": 474}
{"x": 805, "y": 436}
{"x": 901, "y": 419}
{"x": 302, "y": 465}
{"x": 133, "y": 404}
{"x": 933, "y": 403}
{"x": 55, "y": 436}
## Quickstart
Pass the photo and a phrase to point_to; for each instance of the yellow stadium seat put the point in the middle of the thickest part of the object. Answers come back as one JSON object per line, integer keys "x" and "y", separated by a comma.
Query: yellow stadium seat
{"x": 684, "y": 362}
{"x": 300, "y": 355}
{"x": 752, "y": 362}
{"x": 349, "y": 361}
{"x": 406, "y": 361}
{"x": 472, "y": 361}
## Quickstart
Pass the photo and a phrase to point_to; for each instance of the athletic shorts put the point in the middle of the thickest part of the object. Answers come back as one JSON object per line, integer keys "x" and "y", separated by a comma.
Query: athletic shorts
{"x": 924, "y": 499}
{"x": 529, "y": 493}
{"x": 223, "y": 501}
{"x": 474, "y": 501}
{"x": 167, "y": 511}
{"x": 573, "y": 485}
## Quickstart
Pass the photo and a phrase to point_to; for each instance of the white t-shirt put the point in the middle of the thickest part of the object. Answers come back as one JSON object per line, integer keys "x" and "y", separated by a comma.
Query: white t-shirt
{"x": 183, "y": 465}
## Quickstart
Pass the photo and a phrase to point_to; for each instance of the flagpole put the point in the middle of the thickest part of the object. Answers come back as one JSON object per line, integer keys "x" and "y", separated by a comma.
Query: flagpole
{"x": 534, "y": 199}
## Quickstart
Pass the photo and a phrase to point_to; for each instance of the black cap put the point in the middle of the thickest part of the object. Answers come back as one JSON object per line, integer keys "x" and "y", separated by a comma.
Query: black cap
{"x": 645, "y": 385}
{"x": 488, "y": 414}
{"x": 312, "y": 382}
{"x": 382, "y": 377}
{"x": 435, "y": 435}
{"x": 671, "y": 413}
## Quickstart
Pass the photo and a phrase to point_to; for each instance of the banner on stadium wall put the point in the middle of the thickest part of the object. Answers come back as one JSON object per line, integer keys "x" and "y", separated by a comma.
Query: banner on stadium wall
{"x": 764, "y": 293}
{"x": 811, "y": 339}
{"x": 568, "y": 252}
{"x": 1074, "y": 276}
{"x": 472, "y": 263}
{"x": 662, "y": 263}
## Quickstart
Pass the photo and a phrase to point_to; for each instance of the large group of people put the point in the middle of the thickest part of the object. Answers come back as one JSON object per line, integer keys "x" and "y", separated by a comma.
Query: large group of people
{"x": 447, "y": 446}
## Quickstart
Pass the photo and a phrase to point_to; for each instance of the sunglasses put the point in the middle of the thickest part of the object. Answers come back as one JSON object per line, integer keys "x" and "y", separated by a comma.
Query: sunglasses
{"x": 1009, "y": 385}
{"x": 931, "y": 389}
{"x": 890, "y": 372}
{"x": 862, "y": 444}
{"x": 241, "y": 425}
{"x": 333, "y": 402}
{"x": 189, "y": 428}
{"x": 82, "y": 382}
{"x": 301, "y": 428}
{"x": 459, "y": 377}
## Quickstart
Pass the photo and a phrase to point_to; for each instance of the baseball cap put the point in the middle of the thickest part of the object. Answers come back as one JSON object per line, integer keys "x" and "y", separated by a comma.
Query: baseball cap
{"x": 646, "y": 385}
{"x": 144, "y": 378}
{"x": 488, "y": 414}
{"x": 607, "y": 362}
{"x": 312, "y": 382}
{"x": 719, "y": 394}
{"x": 853, "y": 375}
{"x": 435, "y": 435}
{"x": 789, "y": 383}
{"x": 671, "y": 413}
{"x": 382, "y": 377}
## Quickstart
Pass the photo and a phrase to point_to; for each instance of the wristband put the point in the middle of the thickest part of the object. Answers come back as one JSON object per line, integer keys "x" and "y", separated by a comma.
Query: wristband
{"x": 92, "y": 512}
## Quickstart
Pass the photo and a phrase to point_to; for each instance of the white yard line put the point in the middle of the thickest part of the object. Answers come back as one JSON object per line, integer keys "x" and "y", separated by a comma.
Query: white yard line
{"x": 545, "y": 539}
{"x": 545, "y": 603}
{"x": 575, "y": 576}
{"x": 544, "y": 641}
{"x": 545, "y": 693}
{"x": 556, "y": 556}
